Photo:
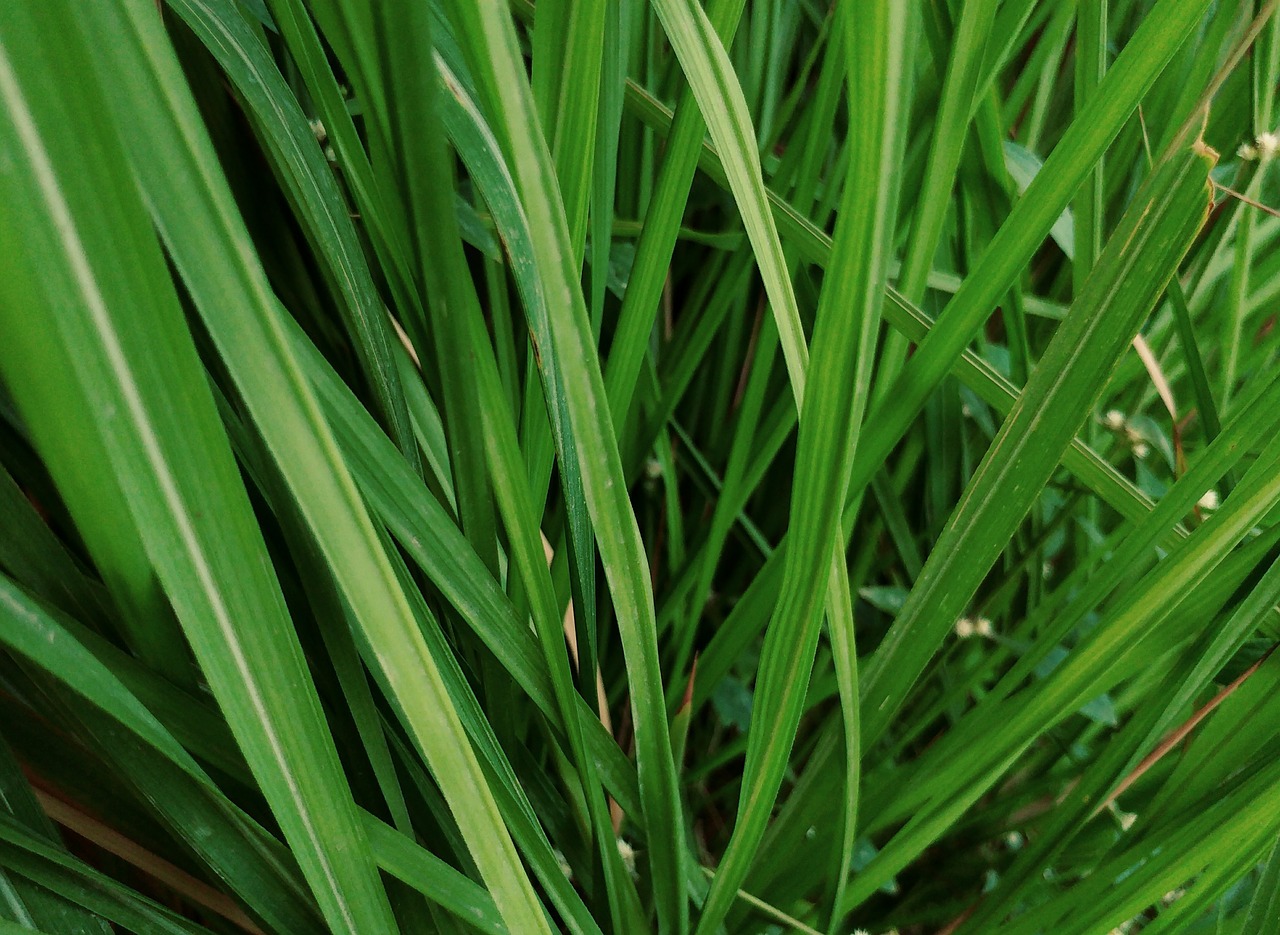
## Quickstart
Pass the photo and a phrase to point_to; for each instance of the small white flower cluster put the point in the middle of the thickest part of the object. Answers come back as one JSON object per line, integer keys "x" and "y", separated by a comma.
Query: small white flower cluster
{"x": 1209, "y": 502}
{"x": 1116, "y": 421}
{"x": 625, "y": 851}
{"x": 628, "y": 854}
{"x": 322, "y": 137}
{"x": 1263, "y": 148}
{"x": 974, "y": 626}
{"x": 1123, "y": 818}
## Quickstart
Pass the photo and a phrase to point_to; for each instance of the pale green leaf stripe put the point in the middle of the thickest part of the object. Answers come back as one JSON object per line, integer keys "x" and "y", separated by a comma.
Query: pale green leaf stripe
{"x": 428, "y": 536}
{"x": 1089, "y": 205}
{"x": 211, "y": 248}
{"x": 844, "y": 652}
{"x": 13, "y": 928}
{"x": 113, "y": 357}
{"x": 511, "y": 795}
{"x": 498, "y": 66}
{"x": 574, "y": 44}
{"x": 479, "y": 150}
{"x": 476, "y": 144}
{"x": 848, "y": 318}
{"x": 488, "y": 430}
{"x": 1150, "y": 241}
{"x": 528, "y": 557}
{"x": 711, "y": 78}
{"x": 515, "y": 807}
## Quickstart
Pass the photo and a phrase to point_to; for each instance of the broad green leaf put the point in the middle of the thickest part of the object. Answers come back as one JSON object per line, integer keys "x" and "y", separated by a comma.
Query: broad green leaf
{"x": 118, "y": 341}
{"x": 205, "y": 236}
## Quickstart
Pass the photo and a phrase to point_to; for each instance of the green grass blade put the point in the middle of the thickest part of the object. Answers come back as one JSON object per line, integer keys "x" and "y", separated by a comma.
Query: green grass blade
{"x": 724, "y": 109}
{"x": 1264, "y": 910}
{"x": 23, "y": 901}
{"x": 310, "y": 183}
{"x": 1033, "y": 215}
{"x": 829, "y": 432}
{"x": 433, "y": 877}
{"x": 658, "y": 236}
{"x": 183, "y": 487}
{"x": 499, "y": 70}
{"x": 1139, "y": 260}
{"x": 78, "y": 883}
{"x": 254, "y": 346}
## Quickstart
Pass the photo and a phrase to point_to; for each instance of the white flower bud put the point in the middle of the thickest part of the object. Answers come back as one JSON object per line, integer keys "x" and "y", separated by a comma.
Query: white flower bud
{"x": 1268, "y": 145}
{"x": 628, "y": 854}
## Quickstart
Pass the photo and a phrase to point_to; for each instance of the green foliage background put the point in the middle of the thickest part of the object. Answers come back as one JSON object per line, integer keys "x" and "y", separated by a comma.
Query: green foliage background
{"x": 621, "y": 467}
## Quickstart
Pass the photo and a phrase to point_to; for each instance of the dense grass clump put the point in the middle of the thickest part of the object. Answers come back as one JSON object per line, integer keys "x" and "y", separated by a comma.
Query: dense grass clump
{"x": 609, "y": 466}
